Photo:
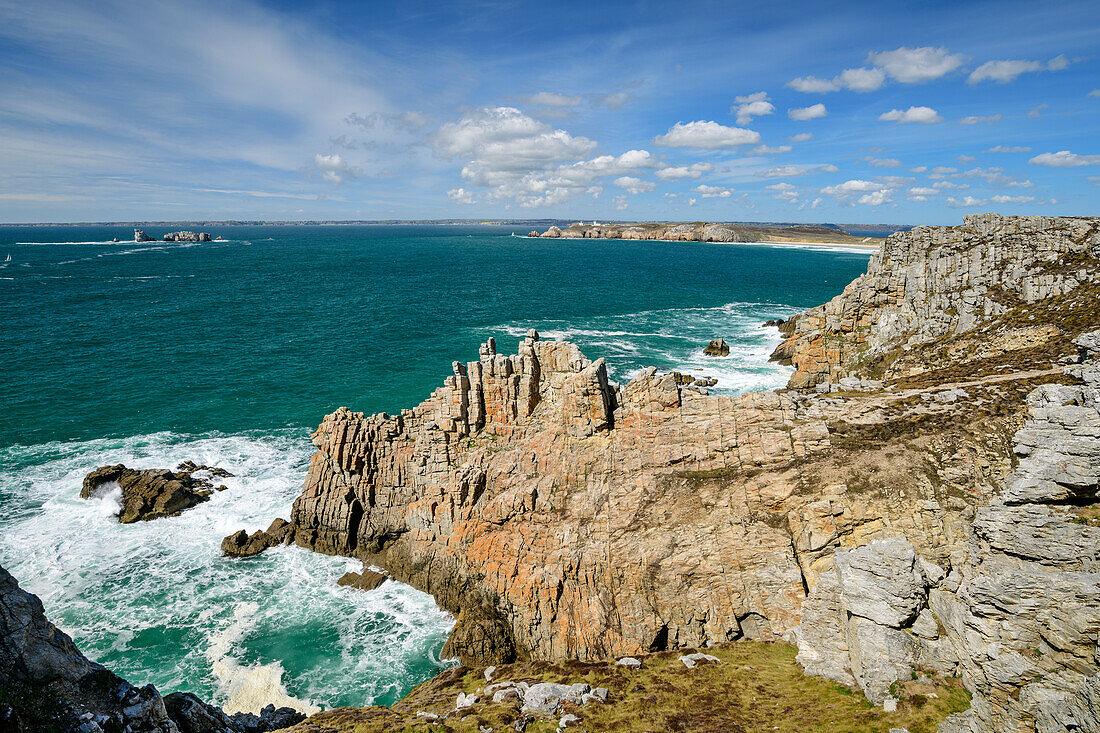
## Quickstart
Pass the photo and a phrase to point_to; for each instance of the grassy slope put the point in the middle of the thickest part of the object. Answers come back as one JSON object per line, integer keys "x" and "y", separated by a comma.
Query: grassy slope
{"x": 755, "y": 687}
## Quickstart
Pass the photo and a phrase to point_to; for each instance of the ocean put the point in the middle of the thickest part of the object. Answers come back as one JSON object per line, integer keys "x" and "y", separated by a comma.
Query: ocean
{"x": 230, "y": 353}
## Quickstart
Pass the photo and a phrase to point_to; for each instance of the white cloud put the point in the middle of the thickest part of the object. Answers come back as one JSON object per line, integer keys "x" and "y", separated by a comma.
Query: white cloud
{"x": 883, "y": 162}
{"x": 766, "y": 150}
{"x": 975, "y": 119}
{"x": 692, "y": 202}
{"x": 333, "y": 168}
{"x": 790, "y": 171}
{"x": 752, "y": 105}
{"x": 620, "y": 202}
{"x": 408, "y": 121}
{"x": 1007, "y": 70}
{"x": 1037, "y": 111}
{"x": 923, "y": 191}
{"x": 801, "y": 137}
{"x": 813, "y": 85}
{"x": 780, "y": 187}
{"x": 922, "y": 115}
{"x": 551, "y": 99}
{"x": 875, "y": 198}
{"x": 713, "y": 192}
{"x": 861, "y": 80}
{"x": 461, "y": 196}
{"x": 1094, "y": 93}
{"x": 1065, "y": 159}
{"x": 613, "y": 100}
{"x": 634, "y": 185}
{"x": 949, "y": 185}
{"x": 917, "y": 65}
{"x": 964, "y": 159}
{"x": 812, "y": 112}
{"x": 965, "y": 202}
{"x": 680, "y": 172}
{"x": 1002, "y": 199}
{"x": 500, "y": 143}
{"x": 1008, "y": 149}
{"x": 919, "y": 169}
{"x": 706, "y": 135}
{"x": 851, "y": 187}
{"x": 857, "y": 80}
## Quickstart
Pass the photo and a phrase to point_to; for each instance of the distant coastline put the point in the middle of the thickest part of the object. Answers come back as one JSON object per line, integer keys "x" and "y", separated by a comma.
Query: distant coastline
{"x": 714, "y": 232}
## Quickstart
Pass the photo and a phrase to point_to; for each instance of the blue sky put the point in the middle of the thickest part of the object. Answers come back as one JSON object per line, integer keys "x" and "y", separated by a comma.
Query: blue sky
{"x": 853, "y": 112}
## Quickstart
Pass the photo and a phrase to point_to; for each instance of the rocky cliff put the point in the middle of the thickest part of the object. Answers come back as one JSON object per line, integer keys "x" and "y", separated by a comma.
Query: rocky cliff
{"x": 993, "y": 285}
{"x": 928, "y": 509}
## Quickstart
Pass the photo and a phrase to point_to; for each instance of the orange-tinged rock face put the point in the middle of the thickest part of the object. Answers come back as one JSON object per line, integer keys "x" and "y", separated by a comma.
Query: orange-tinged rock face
{"x": 566, "y": 516}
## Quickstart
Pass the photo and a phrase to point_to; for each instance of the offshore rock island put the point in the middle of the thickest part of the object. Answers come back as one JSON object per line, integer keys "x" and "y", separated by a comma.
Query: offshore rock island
{"x": 921, "y": 502}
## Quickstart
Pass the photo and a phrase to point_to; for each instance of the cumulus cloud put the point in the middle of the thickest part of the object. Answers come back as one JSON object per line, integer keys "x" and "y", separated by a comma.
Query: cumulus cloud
{"x": 780, "y": 187}
{"x": 551, "y": 99}
{"x": 461, "y": 196}
{"x": 713, "y": 192}
{"x": 850, "y": 187}
{"x": 1008, "y": 149}
{"x": 875, "y": 198}
{"x": 812, "y": 112}
{"x": 975, "y": 119}
{"x": 921, "y": 115}
{"x": 917, "y": 65}
{"x": 620, "y": 202}
{"x": 752, "y": 105}
{"x": 971, "y": 201}
{"x": 964, "y": 159}
{"x": 923, "y": 192}
{"x": 1065, "y": 159}
{"x": 1007, "y": 70}
{"x": 706, "y": 135}
{"x": 766, "y": 150}
{"x": 333, "y": 168}
{"x": 883, "y": 162}
{"x": 801, "y": 137}
{"x": 1094, "y": 93}
{"x": 856, "y": 80}
{"x": 862, "y": 80}
{"x": 502, "y": 142}
{"x": 790, "y": 171}
{"x": 634, "y": 185}
{"x": 680, "y": 172}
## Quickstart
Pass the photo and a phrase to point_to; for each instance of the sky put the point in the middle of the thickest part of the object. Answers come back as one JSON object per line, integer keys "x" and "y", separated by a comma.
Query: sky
{"x": 873, "y": 112}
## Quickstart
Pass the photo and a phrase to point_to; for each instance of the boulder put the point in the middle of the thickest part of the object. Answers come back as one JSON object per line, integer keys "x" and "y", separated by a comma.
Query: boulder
{"x": 279, "y": 532}
{"x": 141, "y": 236}
{"x": 366, "y": 580}
{"x": 153, "y": 493}
{"x": 717, "y": 347}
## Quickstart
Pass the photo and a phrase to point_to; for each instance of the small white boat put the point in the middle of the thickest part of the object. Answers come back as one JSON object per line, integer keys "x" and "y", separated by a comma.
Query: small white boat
{"x": 9, "y": 259}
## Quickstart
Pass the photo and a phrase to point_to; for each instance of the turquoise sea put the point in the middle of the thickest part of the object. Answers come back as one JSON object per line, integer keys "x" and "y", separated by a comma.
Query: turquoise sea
{"x": 229, "y": 353}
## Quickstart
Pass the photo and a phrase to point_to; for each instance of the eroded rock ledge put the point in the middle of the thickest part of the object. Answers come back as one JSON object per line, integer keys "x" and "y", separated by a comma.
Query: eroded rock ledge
{"x": 932, "y": 510}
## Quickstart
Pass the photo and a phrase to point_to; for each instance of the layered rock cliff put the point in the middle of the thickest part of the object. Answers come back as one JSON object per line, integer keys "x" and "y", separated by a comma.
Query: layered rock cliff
{"x": 885, "y": 521}
{"x": 925, "y": 288}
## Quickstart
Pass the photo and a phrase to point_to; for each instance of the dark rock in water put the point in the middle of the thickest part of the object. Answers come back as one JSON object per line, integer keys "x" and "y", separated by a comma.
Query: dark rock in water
{"x": 242, "y": 544}
{"x": 154, "y": 492}
{"x": 682, "y": 378}
{"x": 141, "y": 236}
{"x": 718, "y": 347}
{"x": 185, "y": 236}
{"x": 366, "y": 580}
{"x": 46, "y": 684}
{"x": 192, "y": 715}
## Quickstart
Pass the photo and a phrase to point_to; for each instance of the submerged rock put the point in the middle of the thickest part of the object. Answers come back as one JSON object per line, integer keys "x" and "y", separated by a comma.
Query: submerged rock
{"x": 153, "y": 493}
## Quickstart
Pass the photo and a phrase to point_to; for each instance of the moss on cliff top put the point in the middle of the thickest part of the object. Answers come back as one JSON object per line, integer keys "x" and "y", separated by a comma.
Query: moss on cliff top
{"x": 755, "y": 687}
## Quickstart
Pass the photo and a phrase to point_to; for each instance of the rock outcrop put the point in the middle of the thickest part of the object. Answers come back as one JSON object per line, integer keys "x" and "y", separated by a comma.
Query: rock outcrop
{"x": 1019, "y": 613}
{"x": 930, "y": 509}
{"x": 717, "y": 347}
{"x": 46, "y": 684}
{"x": 185, "y": 236}
{"x": 141, "y": 236}
{"x": 153, "y": 493}
{"x": 242, "y": 544}
{"x": 931, "y": 285}
{"x": 703, "y": 232}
